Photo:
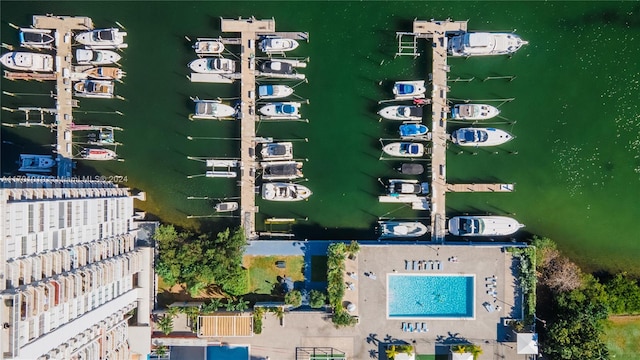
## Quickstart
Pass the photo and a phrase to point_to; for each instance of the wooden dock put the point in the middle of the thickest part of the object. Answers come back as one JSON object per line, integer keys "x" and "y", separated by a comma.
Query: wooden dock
{"x": 64, "y": 27}
{"x": 249, "y": 29}
{"x": 480, "y": 187}
{"x": 12, "y": 75}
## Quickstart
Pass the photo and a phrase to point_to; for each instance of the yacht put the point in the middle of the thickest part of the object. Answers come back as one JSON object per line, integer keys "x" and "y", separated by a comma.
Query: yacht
{"x": 96, "y": 57}
{"x": 401, "y": 112}
{"x": 409, "y": 89}
{"x": 483, "y": 225}
{"x": 474, "y": 112}
{"x": 36, "y": 38}
{"x": 281, "y": 110}
{"x": 212, "y": 109}
{"x": 213, "y": 66}
{"x": 403, "y": 187}
{"x": 281, "y": 69}
{"x": 270, "y": 44}
{"x": 389, "y": 229}
{"x": 404, "y": 149}
{"x": 480, "y": 137}
{"x": 484, "y": 43}
{"x": 277, "y": 151}
{"x": 226, "y": 206}
{"x": 104, "y": 73}
{"x": 414, "y": 131}
{"x": 97, "y": 154}
{"x": 36, "y": 163}
{"x": 285, "y": 192}
{"x": 274, "y": 91}
{"x": 111, "y": 38}
{"x": 27, "y": 61}
{"x": 208, "y": 47}
{"x": 281, "y": 170}
{"x": 94, "y": 89}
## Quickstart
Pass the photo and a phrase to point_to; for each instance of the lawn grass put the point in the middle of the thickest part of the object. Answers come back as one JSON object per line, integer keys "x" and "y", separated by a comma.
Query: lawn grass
{"x": 263, "y": 273}
{"x": 319, "y": 268}
{"x": 621, "y": 336}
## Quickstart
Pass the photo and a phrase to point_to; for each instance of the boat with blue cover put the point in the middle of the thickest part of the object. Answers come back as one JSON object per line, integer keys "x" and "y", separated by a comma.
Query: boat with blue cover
{"x": 413, "y": 131}
{"x": 274, "y": 91}
{"x": 281, "y": 110}
{"x": 404, "y": 149}
{"x": 409, "y": 89}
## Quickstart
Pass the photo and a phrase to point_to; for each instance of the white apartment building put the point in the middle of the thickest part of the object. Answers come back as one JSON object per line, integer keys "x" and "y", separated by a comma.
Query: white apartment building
{"x": 72, "y": 273}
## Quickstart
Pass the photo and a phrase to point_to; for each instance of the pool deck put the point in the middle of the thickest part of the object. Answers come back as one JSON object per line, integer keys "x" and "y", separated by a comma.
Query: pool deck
{"x": 314, "y": 329}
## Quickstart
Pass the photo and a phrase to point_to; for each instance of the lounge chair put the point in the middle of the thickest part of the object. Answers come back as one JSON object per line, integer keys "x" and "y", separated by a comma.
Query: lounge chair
{"x": 426, "y": 265}
{"x": 424, "y": 327}
{"x": 404, "y": 326}
{"x": 438, "y": 264}
{"x": 417, "y": 327}
{"x": 419, "y": 264}
{"x": 413, "y": 266}
{"x": 489, "y": 285}
{"x": 430, "y": 264}
{"x": 489, "y": 291}
{"x": 410, "y": 327}
{"x": 406, "y": 264}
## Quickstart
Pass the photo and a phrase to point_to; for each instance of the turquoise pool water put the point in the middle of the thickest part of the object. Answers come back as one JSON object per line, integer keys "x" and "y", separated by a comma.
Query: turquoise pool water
{"x": 430, "y": 296}
{"x": 227, "y": 352}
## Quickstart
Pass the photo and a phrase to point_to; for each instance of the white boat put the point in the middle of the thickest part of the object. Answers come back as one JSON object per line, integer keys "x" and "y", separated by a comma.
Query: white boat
{"x": 403, "y": 187}
{"x": 212, "y": 109}
{"x": 98, "y": 154}
{"x": 480, "y": 137}
{"x": 390, "y": 229}
{"x": 474, "y": 112}
{"x": 111, "y": 38}
{"x": 213, "y": 66}
{"x": 96, "y": 57}
{"x": 401, "y": 112}
{"x": 208, "y": 47}
{"x": 277, "y": 151}
{"x": 104, "y": 73}
{"x": 281, "y": 69}
{"x": 27, "y": 61}
{"x": 484, "y": 43}
{"x": 404, "y": 149}
{"x": 274, "y": 91}
{"x": 281, "y": 110}
{"x": 281, "y": 170}
{"x": 269, "y": 45}
{"x": 226, "y": 165}
{"x": 409, "y": 89}
{"x": 285, "y": 192}
{"x": 483, "y": 225}
{"x": 36, "y": 38}
{"x": 94, "y": 89}
{"x": 226, "y": 206}
{"x": 36, "y": 163}
{"x": 414, "y": 131}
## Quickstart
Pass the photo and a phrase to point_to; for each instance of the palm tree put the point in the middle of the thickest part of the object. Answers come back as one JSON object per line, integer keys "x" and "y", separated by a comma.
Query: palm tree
{"x": 229, "y": 306}
{"x": 279, "y": 312}
{"x": 391, "y": 352}
{"x": 161, "y": 351}
{"x": 173, "y": 311}
{"x": 165, "y": 323}
{"x": 476, "y": 351}
{"x": 242, "y": 305}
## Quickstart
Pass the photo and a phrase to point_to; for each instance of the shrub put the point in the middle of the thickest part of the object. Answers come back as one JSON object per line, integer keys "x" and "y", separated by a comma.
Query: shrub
{"x": 293, "y": 298}
{"x": 316, "y": 299}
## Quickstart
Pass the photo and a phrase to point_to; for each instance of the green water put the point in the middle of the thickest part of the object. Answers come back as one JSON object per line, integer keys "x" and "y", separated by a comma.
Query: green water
{"x": 575, "y": 161}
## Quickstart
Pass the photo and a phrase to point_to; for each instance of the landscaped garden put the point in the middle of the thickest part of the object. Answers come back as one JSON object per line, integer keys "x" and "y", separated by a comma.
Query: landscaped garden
{"x": 267, "y": 273}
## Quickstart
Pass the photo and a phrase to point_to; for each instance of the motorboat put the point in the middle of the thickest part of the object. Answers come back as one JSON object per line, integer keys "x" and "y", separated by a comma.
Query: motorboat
{"x": 212, "y": 109}
{"x": 36, "y": 38}
{"x": 411, "y": 169}
{"x": 480, "y": 137}
{"x": 389, "y": 229}
{"x": 281, "y": 110}
{"x": 36, "y": 163}
{"x": 98, "y": 154}
{"x": 413, "y": 131}
{"x": 208, "y": 47}
{"x": 27, "y": 61}
{"x": 272, "y": 44}
{"x": 213, "y": 66}
{"x": 94, "y": 89}
{"x": 281, "y": 170}
{"x": 96, "y": 57}
{"x": 226, "y": 206}
{"x": 111, "y": 38}
{"x": 276, "y": 151}
{"x": 281, "y": 69}
{"x": 409, "y": 89}
{"x": 404, "y": 149}
{"x": 104, "y": 73}
{"x": 403, "y": 187}
{"x": 484, "y": 43}
{"x": 474, "y": 112}
{"x": 401, "y": 112}
{"x": 278, "y": 191}
{"x": 483, "y": 225}
{"x": 274, "y": 91}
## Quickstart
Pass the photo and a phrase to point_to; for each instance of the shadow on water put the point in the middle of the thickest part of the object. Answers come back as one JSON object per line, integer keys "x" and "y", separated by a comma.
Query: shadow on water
{"x": 318, "y": 232}
{"x": 624, "y": 18}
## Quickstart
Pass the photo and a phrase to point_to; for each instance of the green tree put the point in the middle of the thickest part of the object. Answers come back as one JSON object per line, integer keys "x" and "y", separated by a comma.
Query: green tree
{"x": 161, "y": 350}
{"x": 352, "y": 249}
{"x": 165, "y": 324}
{"x": 316, "y": 299}
{"x": 293, "y": 298}
{"x": 242, "y": 305}
{"x": 391, "y": 352}
{"x": 342, "y": 318}
{"x": 229, "y": 305}
{"x": 624, "y": 295}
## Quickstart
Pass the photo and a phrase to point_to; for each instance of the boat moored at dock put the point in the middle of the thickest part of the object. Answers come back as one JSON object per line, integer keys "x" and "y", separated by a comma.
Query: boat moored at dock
{"x": 273, "y": 44}
{"x": 36, "y": 163}
{"x": 404, "y": 149}
{"x": 480, "y": 137}
{"x": 279, "y": 191}
{"x": 281, "y": 110}
{"x": 99, "y": 154}
{"x": 213, "y": 66}
{"x": 276, "y": 151}
{"x": 404, "y": 186}
{"x": 474, "y": 112}
{"x": 274, "y": 91}
{"x": 104, "y": 73}
{"x": 226, "y": 206}
{"x": 96, "y": 57}
{"x": 405, "y": 90}
{"x": 414, "y": 131}
{"x": 226, "y": 165}
{"x": 212, "y": 109}
{"x": 483, "y": 226}
{"x": 281, "y": 170}
{"x": 391, "y": 229}
{"x": 111, "y": 38}
{"x": 208, "y": 47}
{"x": 401, "y": 112}
{"x": 27, "y": 61}
{"x": 94, "y": 89}
{"x": 36, "y": 38}
{"x": 484, "y": 43}
{"x": 281, "y": 69}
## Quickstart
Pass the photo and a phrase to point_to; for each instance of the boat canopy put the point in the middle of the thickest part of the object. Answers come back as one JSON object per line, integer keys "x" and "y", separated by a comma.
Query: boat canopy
{"x": 265, "y": 90}
{"x": 412, "y": 169}
{"x": 409, "y": 148}
{"x": 405, "y": 88}
{"x": 281, "y": 170}
{"x": 34, "y": 37}
{"x": 285, "y": 108}
{"x": 471, "y": 226}
{"x": 278, "y": 149}
{"x": 103, "y": 35}
{"x": 413, "y": 129}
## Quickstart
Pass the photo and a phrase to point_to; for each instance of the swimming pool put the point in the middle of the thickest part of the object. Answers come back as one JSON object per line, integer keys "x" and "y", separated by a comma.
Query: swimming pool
{"x": 430, "y": 296}
{"x": 227, "y": 352}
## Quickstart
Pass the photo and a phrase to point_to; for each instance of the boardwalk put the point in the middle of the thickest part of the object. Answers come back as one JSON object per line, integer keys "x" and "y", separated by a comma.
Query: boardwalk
{"x": 249, "y": 30}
